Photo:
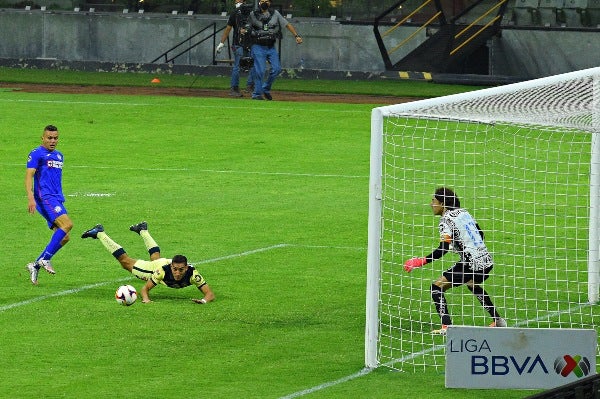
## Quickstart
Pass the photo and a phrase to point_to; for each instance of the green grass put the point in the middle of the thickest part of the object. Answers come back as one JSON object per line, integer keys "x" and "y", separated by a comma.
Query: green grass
{"x": 383, "y": 87}
{"x": 269, "y": 200}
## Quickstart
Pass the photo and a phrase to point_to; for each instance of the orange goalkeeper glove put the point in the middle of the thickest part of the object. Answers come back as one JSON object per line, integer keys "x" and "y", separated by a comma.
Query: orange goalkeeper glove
{"x": 414, "y": 263}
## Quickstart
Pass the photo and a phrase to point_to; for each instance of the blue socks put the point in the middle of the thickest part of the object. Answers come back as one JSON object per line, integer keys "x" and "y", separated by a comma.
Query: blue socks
{"x": 53, "y": 246}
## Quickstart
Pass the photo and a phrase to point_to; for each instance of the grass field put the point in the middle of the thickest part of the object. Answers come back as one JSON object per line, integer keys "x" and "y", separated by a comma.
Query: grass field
{"x": 382, "y": 87}
{"x": 268, "y": 200}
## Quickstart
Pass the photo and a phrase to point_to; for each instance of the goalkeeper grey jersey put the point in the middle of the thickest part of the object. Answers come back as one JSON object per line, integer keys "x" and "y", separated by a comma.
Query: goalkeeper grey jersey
{"x": 458, "y": 228}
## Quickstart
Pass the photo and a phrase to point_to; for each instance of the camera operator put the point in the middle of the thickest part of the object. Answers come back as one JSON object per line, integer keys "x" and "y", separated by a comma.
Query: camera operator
{"x": 238, "y": 21}
{"x": 266, "y": 25}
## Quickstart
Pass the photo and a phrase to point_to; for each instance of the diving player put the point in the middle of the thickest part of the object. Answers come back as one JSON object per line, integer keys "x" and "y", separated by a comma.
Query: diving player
{"x": 174, "y": 273}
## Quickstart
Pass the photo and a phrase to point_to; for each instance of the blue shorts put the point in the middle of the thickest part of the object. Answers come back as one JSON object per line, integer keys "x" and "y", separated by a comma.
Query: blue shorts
{"x": 50, "y": 209}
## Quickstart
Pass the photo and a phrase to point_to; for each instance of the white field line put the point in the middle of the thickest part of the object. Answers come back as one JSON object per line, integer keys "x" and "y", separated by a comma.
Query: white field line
{"x": 90, "y": 286}
{"x": 308, "y": 391}
{"x": 236, "y": 172}
{"x": 254, "y": 251}
{"x": 294, "y": 108}
{"x": 403, "y": 359}
{"x": 60, "y": 293}
{"x": 361, "y": 373}
{"x": 239, "y": 255}
{"x": 202, "y": 262}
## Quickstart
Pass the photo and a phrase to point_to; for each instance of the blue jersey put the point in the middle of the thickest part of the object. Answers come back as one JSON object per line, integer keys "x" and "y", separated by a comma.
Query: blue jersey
{"x": 47, "y": 180}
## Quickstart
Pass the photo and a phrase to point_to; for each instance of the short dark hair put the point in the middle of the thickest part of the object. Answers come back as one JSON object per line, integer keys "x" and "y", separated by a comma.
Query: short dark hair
{"x": 179, "y": 259}
{"x": 447, "y": 197}
{"x": 51, "y": 128}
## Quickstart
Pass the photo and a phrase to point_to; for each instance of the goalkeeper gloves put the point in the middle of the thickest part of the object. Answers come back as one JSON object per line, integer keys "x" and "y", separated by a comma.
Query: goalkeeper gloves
{"x": 414, "y": 263}
{"x": 220, "y": 47}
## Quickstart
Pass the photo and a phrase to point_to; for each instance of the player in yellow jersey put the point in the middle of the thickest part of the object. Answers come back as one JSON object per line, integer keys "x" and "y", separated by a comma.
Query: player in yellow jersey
{"x": 174, "y": 273}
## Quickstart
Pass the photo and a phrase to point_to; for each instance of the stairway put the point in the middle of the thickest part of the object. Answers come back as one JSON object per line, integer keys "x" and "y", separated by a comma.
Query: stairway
{"x": 458, "y": 44}
{"x": 449, "y": 51}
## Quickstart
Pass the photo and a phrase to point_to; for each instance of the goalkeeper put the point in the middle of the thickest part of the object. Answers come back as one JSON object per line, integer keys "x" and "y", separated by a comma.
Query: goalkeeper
{"x": 174, "y": 273}
{"x": 461, "y": 233}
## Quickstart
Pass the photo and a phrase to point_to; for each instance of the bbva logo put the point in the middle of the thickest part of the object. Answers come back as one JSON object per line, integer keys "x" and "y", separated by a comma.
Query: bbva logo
{"x": 578, "y": 365}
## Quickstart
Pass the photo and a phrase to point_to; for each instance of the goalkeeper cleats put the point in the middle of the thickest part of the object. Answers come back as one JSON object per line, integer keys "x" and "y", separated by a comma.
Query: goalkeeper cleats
{"x": 46, "y": 265}
{"x": 139, "y": 227}
{"x": 93, "y": 232}
{"x": 441, "y": 331}
{"x": 499, "y": 322}
{"x": 33, "y": 273}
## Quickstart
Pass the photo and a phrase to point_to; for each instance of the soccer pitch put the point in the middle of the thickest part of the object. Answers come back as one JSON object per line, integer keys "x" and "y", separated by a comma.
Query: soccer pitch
{"x": 269, "y": 200}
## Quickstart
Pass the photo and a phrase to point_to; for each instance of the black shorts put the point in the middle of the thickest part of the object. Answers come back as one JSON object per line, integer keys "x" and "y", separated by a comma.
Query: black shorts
{"x": 461, "y": 273}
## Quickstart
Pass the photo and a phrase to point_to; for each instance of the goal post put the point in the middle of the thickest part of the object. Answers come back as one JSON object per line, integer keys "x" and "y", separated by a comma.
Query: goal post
{"x": 524, "y": 159}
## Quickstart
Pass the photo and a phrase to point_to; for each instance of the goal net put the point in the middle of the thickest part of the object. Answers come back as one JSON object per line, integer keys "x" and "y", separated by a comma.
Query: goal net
{"x": 524, "y": 159}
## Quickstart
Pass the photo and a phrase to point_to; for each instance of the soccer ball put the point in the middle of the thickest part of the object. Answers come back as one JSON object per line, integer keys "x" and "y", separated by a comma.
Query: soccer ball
{"x": 126, "y": 295}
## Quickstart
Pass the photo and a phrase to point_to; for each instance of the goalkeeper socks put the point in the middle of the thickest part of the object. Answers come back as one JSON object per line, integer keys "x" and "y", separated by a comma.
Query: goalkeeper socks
{"x": 54, "y": 245}
{"x": 484, "y": 299}
{"x": 109, "y": 244}
{"x": 151, "y": 245}
{"x": 439, "y": 300}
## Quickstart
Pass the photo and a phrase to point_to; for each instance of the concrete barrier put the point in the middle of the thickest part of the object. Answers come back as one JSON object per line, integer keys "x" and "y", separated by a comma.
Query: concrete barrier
{"x": 131, "y": 38}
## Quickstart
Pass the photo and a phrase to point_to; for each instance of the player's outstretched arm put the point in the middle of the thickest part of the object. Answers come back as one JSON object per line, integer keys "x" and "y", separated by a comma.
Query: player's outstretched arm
{"x": 146, "y": 289}
{"x": 209, "y": 295}
{"x": 415, "y": 263}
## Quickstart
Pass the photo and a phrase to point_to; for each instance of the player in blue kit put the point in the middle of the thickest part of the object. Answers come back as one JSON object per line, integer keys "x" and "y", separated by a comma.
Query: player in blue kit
{"x": 43, "y": 183}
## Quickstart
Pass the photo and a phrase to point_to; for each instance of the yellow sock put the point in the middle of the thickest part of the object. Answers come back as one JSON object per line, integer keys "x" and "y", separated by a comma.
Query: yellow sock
{"x": 108, "y": 243}
{"x": 148, "y": 240}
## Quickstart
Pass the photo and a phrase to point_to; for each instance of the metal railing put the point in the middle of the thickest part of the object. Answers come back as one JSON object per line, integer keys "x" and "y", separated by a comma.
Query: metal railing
{"x": 498, "y": 8}
{"x": 480, "y": 17}
{"x": 170, "y": 58}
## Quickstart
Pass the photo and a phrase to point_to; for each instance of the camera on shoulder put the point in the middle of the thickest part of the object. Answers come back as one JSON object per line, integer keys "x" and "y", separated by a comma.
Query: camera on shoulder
{"x": 245, "y": 9}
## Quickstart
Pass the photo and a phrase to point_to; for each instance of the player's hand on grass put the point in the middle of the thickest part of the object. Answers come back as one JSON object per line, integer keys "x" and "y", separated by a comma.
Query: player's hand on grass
{"x": 414, "y": 263}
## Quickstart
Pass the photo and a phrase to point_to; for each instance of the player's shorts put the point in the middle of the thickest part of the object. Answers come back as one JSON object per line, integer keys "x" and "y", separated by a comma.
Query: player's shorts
{"x": 50, "y": 209}
{"x": 461, "y": 273}
{"x": 143, "y": 269}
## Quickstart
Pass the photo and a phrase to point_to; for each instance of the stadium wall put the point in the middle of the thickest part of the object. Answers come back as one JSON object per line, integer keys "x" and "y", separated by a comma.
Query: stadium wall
{"x": 118, "y": 37}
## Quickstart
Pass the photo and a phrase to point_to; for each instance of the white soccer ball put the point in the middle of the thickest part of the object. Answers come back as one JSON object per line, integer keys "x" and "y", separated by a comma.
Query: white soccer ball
{"x": 126, "y": 295}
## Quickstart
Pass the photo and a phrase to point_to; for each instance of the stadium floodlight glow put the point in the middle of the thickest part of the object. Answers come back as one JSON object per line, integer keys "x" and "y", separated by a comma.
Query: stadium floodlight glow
{"x": 525, "y": 160}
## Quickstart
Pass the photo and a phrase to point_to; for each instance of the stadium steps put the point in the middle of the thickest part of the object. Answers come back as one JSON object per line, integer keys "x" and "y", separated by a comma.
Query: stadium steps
{"x": 452, "y": 49}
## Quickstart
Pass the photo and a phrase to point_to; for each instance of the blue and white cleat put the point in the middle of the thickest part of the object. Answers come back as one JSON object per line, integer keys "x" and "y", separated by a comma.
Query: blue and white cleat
{"x": 93, "y": 232}
{"x": 46, "y": 265}
{"x": 33, "y": 273}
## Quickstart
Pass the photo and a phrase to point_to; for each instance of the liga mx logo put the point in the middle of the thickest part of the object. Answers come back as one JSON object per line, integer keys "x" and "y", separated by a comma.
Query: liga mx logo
{"x": 578, "y": 365}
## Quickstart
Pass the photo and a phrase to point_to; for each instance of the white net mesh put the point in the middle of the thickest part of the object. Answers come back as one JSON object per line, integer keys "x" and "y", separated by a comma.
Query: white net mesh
{"x": 521, "y": 163}
{"x": 567, "y": 103}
